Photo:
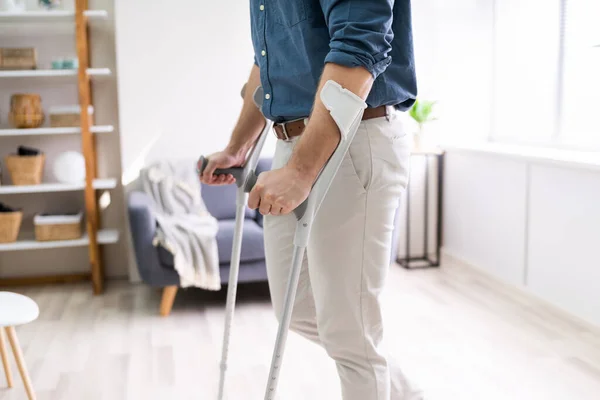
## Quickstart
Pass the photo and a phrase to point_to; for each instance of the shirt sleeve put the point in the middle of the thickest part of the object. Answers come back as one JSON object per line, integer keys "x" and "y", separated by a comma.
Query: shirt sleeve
{"x": 361, "y": 33}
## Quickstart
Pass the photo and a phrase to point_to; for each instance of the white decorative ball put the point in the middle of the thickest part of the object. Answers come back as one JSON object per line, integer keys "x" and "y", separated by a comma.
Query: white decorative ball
{"x": 69, "y": 167}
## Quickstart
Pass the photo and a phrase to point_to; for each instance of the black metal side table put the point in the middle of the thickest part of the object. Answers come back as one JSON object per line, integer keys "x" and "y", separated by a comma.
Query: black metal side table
{"x": 424, "y": 260}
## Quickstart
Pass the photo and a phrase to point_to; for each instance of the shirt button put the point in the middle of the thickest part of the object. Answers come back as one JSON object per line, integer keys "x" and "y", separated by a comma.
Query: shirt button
{"x": 262, "y": 7}
{"x": 264, "y": 53}
{"x": 267, "y": 96}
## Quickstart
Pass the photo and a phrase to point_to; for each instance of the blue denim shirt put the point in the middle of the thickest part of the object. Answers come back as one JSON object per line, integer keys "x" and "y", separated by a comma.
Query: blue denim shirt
{"x": 293, "y": 39}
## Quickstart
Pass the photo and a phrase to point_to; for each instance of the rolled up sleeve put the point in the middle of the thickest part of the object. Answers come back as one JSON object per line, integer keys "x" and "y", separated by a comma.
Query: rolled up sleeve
{"x": 361, "y": 33}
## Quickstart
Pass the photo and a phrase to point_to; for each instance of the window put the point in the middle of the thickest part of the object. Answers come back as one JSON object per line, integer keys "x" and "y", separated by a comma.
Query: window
{"x": 547, "y": 72}
{"x": 580, "y": 102}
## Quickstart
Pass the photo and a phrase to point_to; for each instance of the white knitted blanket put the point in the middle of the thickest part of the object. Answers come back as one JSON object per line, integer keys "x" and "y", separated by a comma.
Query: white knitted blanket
{"x": 185, "y": 228}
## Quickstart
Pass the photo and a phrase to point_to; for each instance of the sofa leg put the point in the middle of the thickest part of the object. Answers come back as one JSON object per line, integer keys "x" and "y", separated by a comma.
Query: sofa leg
{"x": 168, "y": 297}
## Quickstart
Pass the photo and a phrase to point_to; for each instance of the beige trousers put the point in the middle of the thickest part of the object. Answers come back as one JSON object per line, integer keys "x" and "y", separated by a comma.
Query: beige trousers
{"x": 347, "y": 260}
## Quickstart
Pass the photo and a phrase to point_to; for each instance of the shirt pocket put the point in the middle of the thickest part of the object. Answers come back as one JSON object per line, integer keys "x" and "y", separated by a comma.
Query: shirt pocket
{"x": 289, "y": 12}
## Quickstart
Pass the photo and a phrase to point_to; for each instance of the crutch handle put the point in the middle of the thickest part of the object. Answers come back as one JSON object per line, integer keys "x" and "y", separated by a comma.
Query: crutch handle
{"x": 237, "y": 172}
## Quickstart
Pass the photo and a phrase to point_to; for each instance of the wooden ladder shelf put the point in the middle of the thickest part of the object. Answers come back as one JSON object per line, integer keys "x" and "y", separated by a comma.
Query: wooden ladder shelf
{"x": 94, "y": 237}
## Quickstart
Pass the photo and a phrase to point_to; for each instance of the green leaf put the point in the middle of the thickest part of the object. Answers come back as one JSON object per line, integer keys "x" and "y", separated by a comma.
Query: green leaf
{"x": 422, "y": 111}
{"x": 413, "y": 111}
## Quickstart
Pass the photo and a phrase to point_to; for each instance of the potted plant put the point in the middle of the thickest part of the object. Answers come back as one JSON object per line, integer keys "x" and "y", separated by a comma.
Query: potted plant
{"x": 422, "y": 113}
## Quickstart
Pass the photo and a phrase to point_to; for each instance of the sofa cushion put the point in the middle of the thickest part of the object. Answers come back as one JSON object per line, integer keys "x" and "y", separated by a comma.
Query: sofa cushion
{"x": 220, "y": 202}
{"x": 252, "y": 243}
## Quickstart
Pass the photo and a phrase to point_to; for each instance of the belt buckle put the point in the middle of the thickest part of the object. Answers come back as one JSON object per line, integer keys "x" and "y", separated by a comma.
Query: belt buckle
{"x": 285, "y": 133}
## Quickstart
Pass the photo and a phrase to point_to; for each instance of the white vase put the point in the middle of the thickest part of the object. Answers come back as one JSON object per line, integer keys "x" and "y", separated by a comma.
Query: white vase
{"x": 417, "y": 142}
{"x": 69, "y": 167}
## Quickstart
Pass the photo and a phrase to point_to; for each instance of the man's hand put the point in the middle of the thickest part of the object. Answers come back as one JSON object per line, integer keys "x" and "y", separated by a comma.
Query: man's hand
{"x": 222, "y": 159}
{"x": 279, "y": 192}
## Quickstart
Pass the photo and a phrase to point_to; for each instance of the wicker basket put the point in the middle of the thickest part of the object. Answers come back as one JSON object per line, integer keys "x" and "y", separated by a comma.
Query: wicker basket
{"x": 26, "y": 121}
{"x": 10, "y": 223}
{"x": 26, "y": 111}
{"x": 50, "y": 228}
{"x": 68, "y": 116}
{"x": 25, "y": 170}
{"x": 65, "y": 120}
{"x": 18, "y": 58}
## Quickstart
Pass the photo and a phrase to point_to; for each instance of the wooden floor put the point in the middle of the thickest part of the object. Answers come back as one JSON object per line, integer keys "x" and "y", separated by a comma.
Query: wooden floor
{"x": 460, "y": 336}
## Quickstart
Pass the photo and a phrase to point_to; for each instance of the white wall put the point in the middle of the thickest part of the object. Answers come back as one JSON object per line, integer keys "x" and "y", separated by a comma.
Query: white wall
{"x": 181, "y": 67}
{"x": 529, "y": 223}
{"x": 484, "y": 208}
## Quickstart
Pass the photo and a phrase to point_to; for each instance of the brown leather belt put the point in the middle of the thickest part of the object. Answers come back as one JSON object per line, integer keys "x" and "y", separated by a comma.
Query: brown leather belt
{"x": 288, "y": 130}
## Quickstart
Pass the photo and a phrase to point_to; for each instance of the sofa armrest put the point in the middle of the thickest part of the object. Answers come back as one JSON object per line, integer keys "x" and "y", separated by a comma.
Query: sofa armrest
{"x": 143, "y": 229}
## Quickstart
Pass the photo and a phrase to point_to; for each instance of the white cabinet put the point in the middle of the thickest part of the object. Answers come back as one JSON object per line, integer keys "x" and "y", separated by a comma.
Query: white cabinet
{"x": 564, "y": 239}
{"x": 532, "y": 223}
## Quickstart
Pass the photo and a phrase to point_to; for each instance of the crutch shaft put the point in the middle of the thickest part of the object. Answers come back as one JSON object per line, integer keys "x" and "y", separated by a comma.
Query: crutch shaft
{"x": 232, "y": 288}
{"x": 284, "y": 324}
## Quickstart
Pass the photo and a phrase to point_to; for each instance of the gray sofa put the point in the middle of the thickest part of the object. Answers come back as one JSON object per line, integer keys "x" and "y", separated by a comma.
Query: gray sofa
{"x": 155, "y": 264}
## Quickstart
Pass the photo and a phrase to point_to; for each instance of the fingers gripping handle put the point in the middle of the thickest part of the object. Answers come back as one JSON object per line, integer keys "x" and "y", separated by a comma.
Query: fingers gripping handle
{"x": 237, "y": 172}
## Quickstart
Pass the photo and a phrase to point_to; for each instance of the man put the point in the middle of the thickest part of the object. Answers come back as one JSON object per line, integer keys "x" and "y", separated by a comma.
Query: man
{"x": 366, "y": 47}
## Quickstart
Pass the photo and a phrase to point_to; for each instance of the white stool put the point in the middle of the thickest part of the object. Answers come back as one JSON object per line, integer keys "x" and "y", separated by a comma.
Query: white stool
{"x": 15, "y": 309}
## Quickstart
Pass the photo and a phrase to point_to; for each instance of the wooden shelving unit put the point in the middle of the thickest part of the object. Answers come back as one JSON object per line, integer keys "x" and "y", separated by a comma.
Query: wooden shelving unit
{"x": 94, "y": 236}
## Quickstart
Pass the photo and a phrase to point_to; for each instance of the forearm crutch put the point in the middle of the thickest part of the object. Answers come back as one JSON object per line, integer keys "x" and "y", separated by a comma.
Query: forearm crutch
{"x": 245, "y": 180}
{"x": 346, "y": 109}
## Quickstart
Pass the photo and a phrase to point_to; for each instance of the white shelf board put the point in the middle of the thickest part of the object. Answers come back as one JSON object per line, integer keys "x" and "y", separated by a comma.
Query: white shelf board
{"x": 102, "y": 129}
{"x": 105, "y": 184}
{"x": 105, "y": 236}
{"x": 99, "y": 184}
{"x": 49, "y": 16}
{"x": 99, "y": 72}
{"x": 54, "y": 131}
{"x": 53, "y": 73}
{"x": 96, "y": 14}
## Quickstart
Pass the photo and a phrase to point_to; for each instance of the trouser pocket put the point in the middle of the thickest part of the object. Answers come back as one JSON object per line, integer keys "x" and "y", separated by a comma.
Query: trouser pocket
{"x": 359, "y": 158}
{"x": 390, "y": 152}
